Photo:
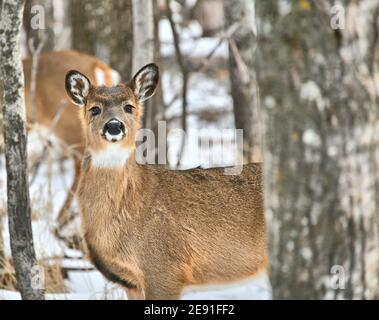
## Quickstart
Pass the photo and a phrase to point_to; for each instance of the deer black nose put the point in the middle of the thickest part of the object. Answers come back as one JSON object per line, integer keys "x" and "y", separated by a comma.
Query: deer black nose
{"x": 114, "y": 127}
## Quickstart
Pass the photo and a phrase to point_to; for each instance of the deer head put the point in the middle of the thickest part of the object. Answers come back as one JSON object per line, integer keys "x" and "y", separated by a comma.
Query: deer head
{"x": 111, "y": 115}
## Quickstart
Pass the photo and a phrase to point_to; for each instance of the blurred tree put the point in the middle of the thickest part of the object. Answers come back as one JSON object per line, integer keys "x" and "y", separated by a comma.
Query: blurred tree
{"x": 144, "y": 47}
{"x": 157, "y": 104}
{"x": 242, "y": 74}
{"x": 43, "y": 30}
{"x": 185, "y": 73}
{"x": 88, "y": 24}
{"x": 2, "y": 253}
{"x": 143, "y": 33}
{"x": 1, "y": 117}
{"x": 210, "y": 15}
{"x": 104, "y": 29}
{"x": 120, "y": 37}
{"x": 321, "y": 119}
{"x": 20, "y": 229}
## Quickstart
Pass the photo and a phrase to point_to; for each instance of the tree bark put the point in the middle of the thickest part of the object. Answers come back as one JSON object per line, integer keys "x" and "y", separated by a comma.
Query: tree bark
{"x": 157, "y": 108}
{"x": 47, "y": 35}
{"x": 2, "y": 252}
{"x": 242, "y": 75}
{"x": 104, "y": 29}
{"x": 20, "y": 229}
{"x": 143, "y": 48}
{"x": 143, "y": 33}
{"x": 185, "y": 77}
{"x": 120, "y": 39}
{"x": 319, "y": 102}
{"x": 88, "y": 21}
{"x": 210, "y": 15}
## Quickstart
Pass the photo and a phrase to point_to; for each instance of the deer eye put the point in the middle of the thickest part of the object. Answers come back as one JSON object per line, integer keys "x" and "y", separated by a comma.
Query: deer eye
{"x": 128, "y": 108}
{"x": 95, "y": 111}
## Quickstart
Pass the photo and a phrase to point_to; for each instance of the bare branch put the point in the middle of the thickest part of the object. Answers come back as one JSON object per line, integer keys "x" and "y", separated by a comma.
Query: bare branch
{"x": 204, "y": 63}
{"x": 35, "y": 51}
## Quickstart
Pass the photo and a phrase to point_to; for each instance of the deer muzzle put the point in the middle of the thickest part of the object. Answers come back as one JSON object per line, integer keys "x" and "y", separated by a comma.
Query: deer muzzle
{"x": 114, "y": 130}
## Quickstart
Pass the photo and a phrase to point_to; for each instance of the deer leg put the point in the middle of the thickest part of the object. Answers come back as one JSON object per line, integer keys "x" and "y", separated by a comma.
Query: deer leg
{"x": 65, "y": 215}
{"x": 135, "y": 294}
{"x": 165, "y": 288}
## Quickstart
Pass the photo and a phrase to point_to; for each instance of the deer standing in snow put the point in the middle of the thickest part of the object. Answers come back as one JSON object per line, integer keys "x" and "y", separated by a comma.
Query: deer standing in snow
{"x": 152, "y": 230}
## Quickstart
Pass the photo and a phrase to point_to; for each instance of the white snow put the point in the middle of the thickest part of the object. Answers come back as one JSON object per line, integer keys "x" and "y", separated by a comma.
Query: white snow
{"x": 257, "y": 288}
{"x": 310, "y": 91}
{"x": 191, "y": 42}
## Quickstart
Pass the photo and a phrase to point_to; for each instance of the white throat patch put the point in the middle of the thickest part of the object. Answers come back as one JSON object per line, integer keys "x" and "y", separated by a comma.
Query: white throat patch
{"x": 113, "y": 156}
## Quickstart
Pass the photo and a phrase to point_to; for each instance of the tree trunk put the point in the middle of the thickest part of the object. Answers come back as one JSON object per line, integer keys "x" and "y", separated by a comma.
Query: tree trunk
{"x": 104, "y": 29}
{"x": 1, "y": 112}
{"x": 20, "y": 229}
{"x": 143, "y": 47}
{"x": 2, "y": 251}
{"x": 157, "y": 108}
{"x": 120, "y": 39}
{"x": 143, "y": 33}
{"x": 47, "y": 35}
{"x": 242, "y": 75}
{"x": 158, "y": 104}
{"x": 210, "y": 15}
{"x": 321, "y": 157}
{"x": 88, "y": 24}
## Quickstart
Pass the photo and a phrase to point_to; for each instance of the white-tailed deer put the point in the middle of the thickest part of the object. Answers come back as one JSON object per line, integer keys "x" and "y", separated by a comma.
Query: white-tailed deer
{"x": 152, "y": 230}
{"x": 51, "y": 98}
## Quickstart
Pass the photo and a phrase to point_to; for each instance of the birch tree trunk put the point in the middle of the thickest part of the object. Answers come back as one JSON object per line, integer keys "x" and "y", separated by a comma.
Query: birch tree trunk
{"x": 2, "y": 253}
{"x": 319, "y": 92}
{"x": 210, "y": 15}
{"x": 20, "y": 229}
{"x": 143, "y": 33}
{"x": 143, "y": 46}
{"x": 157, "y": 107}
{"x": 242, "y": 67}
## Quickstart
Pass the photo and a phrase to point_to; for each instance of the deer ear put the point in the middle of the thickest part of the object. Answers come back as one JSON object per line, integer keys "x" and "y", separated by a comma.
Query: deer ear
{"x": 77, "y": 87}
{"x": 145, "y": 82}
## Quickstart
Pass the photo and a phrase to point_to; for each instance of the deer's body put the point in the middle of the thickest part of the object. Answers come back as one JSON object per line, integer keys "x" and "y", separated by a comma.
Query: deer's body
{"x": 147, "y": 224}
{"x": 153, "y": 230}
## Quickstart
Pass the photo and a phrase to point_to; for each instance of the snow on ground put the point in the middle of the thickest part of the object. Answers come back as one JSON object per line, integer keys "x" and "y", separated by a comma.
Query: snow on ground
{"x": 191, "y": 41}
{"x": 92, "y": 286}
